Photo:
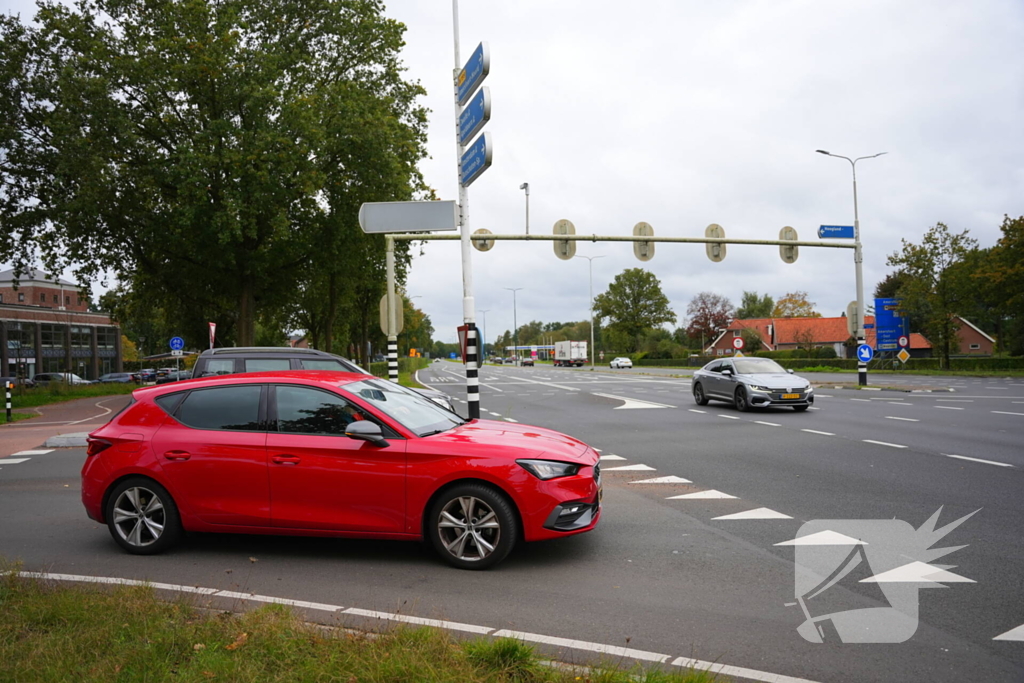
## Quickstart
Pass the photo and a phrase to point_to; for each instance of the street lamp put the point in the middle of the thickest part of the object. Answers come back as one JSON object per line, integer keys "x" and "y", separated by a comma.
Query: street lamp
{"x": 483, "y": 342}
{"x": 526, "y": 186}
{"x": 590, "y": 260}
{"x": 515, "y": 325}
{"x": 858, "y": 258}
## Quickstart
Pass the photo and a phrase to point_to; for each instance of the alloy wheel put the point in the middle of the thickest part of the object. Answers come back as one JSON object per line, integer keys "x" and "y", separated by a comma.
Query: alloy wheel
{"x": 469, "y": 528}
{"x": 139, "y": 516}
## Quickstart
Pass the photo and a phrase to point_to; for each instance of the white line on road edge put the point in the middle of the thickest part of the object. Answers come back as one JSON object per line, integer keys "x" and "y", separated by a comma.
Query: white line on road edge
{"x": 599, "y": 648}
{"x": 884, "y": 443}
{"x": 815, "y": 431}
{"x": 865, "y": 400}
{"x": 904, "y": 419}
{"x": 702, "y": 412}
{"x": 949, "y": 407}
{"x": 959, "y": 457}
{"x": 1000, "y": 412}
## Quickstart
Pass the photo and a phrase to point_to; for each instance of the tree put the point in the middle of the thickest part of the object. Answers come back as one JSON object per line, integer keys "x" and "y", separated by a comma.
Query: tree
{"x": 633, "y": 304}
{"x": 754, "y": 306}
{"x": 708, "y": 313}
{"x": 936, "y": 289}
{"x": 211, "y": 154}
{"x": 795, "y": 305}
{"x": 1002, "y": 276}
{"x": 751, "y": 340}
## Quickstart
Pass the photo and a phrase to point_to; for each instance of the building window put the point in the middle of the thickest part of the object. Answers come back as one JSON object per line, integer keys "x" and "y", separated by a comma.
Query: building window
{"x": 55, "y": 299}
{"x": 106, "y": 337}
{"x": 1, "y": 298}
{"x": 67, "y": 300}
{"x": 52, "y": 337}
{"x": 975, "y": 347}
{"x": 42, "y": 297}
{"x": 735, "y": 333}
{"x": 81, "y": 337}
{"x": 21, "y": 296}
{"x": 79, "y": 301}
{"x": 21, "y": 340}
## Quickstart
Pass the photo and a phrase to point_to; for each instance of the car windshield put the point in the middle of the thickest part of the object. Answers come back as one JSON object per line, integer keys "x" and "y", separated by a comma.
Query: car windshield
{"x": 758, "y": 366}
{"x": 419, "y": 415}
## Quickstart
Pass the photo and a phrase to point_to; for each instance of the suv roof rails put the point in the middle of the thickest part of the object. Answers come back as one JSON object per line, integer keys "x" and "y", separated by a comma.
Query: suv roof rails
{"x": 265, "y": 349}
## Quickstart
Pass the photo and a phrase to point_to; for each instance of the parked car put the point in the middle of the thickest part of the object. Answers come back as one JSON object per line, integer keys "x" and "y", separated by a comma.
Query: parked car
{"x": 163, "y": 372}
{"x": 121, "y": 377}
{"x": 340, "y": 454}
{"x": 497, "y": 361}
{"x": 145, "y": 375}
{"x": 45, "y": 378}
{"x": 528, "y": 362}
{"x": 17, "y": 381}
{"x": 174, "y": 376}
{"x": 751, "y": 383}
{"x": 621, "y": 363}
{"x": 232, "y": 360}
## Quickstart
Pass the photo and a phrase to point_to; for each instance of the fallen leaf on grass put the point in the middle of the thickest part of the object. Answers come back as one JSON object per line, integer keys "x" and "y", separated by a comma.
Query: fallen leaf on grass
{"x": 239, "y": 642}
{"x": 198, "y": 646}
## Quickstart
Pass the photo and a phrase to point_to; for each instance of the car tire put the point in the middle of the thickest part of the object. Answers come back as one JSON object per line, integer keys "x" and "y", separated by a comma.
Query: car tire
{"x": 475, "y": 547}
{"x": 698, "y": 395}
{"x": 157, "y": 524}
{"x": 800, "y": 409}
{"x": 742, "y": 404}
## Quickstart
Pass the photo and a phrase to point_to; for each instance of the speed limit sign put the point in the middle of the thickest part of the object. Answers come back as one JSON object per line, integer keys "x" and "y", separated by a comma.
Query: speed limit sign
{"x": 737, "y": 343}
{"x": 903, "y": 342}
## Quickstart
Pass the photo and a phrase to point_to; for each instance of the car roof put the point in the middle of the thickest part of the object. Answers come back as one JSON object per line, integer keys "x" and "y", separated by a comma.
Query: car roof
{"x": 270, "y": 350}
{"x": 330, "y": 378}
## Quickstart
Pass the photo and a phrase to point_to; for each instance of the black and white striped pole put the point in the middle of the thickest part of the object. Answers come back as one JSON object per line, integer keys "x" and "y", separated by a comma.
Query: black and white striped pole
{"x": 472, "y": 372}
{"x": 7, "y": 390}
{"x": 391, "y": 321}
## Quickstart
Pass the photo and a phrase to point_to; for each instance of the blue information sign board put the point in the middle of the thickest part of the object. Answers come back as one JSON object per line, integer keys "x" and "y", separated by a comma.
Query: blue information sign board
{"x": 836, "y": 232}
{"x": 476, "y": 160}
{"x": 452, "y": 355}
{"x": 891, "y": 324}
{"x": 474, "y": 73}
{"x": 177, "y": 343}
{"x": 475, "y": 115}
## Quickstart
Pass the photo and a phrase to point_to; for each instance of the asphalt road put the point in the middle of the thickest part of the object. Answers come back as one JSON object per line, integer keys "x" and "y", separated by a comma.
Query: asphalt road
{"x": 658, "y": 574}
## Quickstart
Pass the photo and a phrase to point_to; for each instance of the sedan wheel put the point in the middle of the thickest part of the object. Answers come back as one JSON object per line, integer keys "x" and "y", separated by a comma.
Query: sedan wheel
{"x": 742, "y": 404}
{"x": 698, "y": 395}
{"x": 142, "y": 517}
{"x": 472, "y": 526}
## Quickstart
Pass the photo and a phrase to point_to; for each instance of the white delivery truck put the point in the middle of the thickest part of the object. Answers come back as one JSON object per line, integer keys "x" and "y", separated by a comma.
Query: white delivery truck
{"x": 570, "y": 354}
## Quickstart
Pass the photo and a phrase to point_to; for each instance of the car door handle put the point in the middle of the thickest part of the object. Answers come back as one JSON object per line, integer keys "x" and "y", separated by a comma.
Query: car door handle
{"x": 177, "y": 455}
{"x": 285, "y": 460}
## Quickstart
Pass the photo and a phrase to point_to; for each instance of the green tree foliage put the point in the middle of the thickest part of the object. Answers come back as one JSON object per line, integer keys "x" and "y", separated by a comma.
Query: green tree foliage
{"x": 794, "y": 305}
{"x": 754, "y": 306}
{"x": 633, "y": 304}
{"x": 708, "y": 312}
{"x": 936, "y": 288}
{"x": 211, "y": 154}
{"x": 1001, "y": 274}
{"x": 416, "y": 330}
{"x": 751, "y": 340}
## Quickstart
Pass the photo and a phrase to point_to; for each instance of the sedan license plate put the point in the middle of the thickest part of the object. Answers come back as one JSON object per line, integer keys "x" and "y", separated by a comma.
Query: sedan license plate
{"x": 790, "y": 396}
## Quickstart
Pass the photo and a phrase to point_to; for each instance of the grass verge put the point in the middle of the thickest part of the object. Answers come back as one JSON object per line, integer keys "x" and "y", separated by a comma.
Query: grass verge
{"x": 85, "y": 634}
{"x": 15, "y": 416}
{"x": 59, "y": 393}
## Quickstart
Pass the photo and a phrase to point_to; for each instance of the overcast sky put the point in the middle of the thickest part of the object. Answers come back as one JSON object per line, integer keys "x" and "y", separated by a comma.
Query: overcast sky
{"x": 683, "y": 113}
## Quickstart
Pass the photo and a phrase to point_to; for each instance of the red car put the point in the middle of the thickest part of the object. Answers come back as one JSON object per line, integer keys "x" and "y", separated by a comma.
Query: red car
{"x": 332, "y": 454}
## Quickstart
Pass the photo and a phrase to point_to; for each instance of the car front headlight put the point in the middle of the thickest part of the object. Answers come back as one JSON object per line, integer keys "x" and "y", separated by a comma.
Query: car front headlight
{"x": 758, "y": 387}
{"x": 548, "y": 469}
{"x": 809, "y": 389}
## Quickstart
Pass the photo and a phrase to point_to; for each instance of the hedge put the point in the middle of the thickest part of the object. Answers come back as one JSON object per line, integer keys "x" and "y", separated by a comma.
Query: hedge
{"x": 405, "y": 364}
{"x": 957, "y": 364}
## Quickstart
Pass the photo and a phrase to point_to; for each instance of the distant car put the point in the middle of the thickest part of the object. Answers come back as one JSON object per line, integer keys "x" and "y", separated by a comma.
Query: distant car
{"x": 510, "y": 361}
{"x": 17, "y": 381}
{"x": 332, "y": 454}
{"x": 497, "y": 361}
{"x": 145, "y": 375}
{"x": 528, "y": 362}
{"x": 234, "y": 360}
{"x": 621, "y": 363}
{"x": 437, "y": 360}
{"x": 751, "y": 383}
{"x": 174, "y": 376}
{"x": 121, "y": 377}
{"x": 163, "y": 372}
{"x": 45, "y": 378}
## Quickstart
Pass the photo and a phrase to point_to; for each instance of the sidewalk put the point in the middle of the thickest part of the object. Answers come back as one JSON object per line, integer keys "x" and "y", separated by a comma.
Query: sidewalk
{"x": 60, "y": 419}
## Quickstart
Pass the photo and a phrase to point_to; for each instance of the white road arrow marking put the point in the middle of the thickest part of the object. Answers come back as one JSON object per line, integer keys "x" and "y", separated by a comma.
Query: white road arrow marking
{"x": 630, "y": 468}
{"x": 759, "y": 513}
{"x": 1012, "y": 634}
{"x": 671, "y": 479}
{"x": 702, "y": 495}
{"x": 827, "y": 537}
{"x": 917, "y": 572}
{"x": 633, "y": 403}
{"x": 611, "y": 457}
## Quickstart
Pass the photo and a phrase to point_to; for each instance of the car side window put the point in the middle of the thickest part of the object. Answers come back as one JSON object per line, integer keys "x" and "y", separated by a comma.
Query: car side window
{"x": 726, "y": 365}
{"x": 322, "y": 364}
{"x": 714, "y": 367}
{"x": 234, "y": 408}
{"x": 267, "y": 364}
{"x": 222, "y": 366}
{"x": 301, "y": 410}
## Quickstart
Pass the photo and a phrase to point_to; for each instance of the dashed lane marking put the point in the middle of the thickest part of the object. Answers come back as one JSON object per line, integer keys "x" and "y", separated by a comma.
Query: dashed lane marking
{"x": 728, "y": 417}
{"x": 865, "y": 400}
{"x": 13, "y": 461}
{"x": 42, "y": 452}
{"x": 962, "y": 457}
{"x": 815, "y": 431}
{"x": 955, "y": 400}
{"x": 759, "y": 513}
{"x": 671, "y": 479}
{"x": 902, "y": 419}
{"x": 950, "y": 407}
{"x": 884, "y": 443}
{"x": 702, "y": 495}
{"x": 768, "y": 424}
{"x": 1003, "y": 412}
{"x": 702, "y": 412}
{"x": 509, "y": 419}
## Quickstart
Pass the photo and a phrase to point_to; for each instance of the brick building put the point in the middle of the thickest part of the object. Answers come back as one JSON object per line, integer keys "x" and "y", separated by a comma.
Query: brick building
{"x": 781, "y": 334}
{"x": 45, "y": 326}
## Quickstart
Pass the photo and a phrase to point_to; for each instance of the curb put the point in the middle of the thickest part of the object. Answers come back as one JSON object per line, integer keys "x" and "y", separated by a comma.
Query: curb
{"x": 72, "y": 440}
{"x": 827, "y": 385}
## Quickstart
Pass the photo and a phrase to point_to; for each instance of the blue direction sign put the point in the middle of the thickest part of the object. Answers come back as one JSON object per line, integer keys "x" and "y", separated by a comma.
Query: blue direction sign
{"x": 865, "y": 353}
{"x": 891, "y": 324}
{"x": 475, "y": 115}
{"x": 844, "y": 232}
{"x": 476, "y": 160}
{"x": 177, "y": 343}
{"x": 474, "y": 73}
{"x": 452, "y": 355}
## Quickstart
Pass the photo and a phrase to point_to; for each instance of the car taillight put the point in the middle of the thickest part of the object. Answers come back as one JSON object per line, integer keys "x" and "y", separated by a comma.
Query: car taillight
{"x": 96, "y": 446}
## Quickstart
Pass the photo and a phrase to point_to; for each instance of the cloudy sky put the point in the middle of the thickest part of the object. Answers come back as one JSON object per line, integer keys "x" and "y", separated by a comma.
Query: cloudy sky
{"x": 683, "y": 113}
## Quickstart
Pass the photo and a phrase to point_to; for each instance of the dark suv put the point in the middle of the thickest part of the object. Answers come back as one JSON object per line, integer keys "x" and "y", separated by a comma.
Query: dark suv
{"x": 232, "y": 360}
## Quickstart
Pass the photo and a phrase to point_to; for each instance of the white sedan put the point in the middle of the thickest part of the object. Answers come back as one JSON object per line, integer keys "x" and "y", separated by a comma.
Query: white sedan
{"x": 621, "y": 363}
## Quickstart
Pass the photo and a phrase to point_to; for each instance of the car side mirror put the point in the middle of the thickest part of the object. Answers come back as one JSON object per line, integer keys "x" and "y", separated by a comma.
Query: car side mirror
{"x": 364, "y": 430}
{"x": 790, "y": 371}
{"x": 727, "y": 372}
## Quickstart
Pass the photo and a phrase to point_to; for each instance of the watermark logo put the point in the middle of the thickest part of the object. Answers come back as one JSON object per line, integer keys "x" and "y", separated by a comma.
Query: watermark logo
{"x": 886, "y": 555}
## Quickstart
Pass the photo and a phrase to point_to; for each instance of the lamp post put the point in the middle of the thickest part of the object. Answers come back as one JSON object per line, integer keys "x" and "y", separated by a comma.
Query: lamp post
{"x": 483, "y": 342}
{"x": 858, "y": 258}
{"x": 526, "y": 186}
{"x": 515, "y": 325}
{"x": 590, "y": 260}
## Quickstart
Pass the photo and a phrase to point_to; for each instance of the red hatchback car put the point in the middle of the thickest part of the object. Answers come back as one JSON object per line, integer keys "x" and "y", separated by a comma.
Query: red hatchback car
{"x": 332, "y": 454}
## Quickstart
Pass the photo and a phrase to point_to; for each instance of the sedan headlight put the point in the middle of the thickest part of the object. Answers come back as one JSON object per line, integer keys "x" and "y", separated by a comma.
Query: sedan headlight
{"x": 548, "y": 469}
{"x": 758, "y": 387}
{"x": 809, "y": 389}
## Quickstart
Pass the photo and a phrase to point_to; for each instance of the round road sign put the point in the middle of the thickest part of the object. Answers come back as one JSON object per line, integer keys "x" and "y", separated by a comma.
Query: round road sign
{"x": 737, "y": 343}
{"x": 903, "y": 342}
{"x": 177, "y": 343}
